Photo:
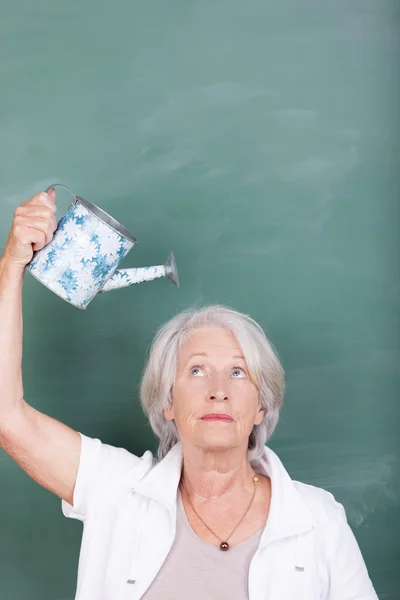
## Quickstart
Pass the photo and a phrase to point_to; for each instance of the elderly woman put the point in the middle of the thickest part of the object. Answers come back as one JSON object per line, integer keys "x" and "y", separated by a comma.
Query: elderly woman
{"x": 216, "y": 515}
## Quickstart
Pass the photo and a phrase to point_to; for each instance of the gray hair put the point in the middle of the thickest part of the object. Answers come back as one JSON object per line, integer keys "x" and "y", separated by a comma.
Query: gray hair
{"x": 262, "y": 360}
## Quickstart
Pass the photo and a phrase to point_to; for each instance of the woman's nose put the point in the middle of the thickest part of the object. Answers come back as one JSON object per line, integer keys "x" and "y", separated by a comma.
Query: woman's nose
{"x": 218, "y": 396}
{"x": 218, "y": 391}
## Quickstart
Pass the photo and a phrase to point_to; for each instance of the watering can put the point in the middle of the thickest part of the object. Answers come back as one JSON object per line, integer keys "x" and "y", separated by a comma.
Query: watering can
{"x": 82, "y": 258}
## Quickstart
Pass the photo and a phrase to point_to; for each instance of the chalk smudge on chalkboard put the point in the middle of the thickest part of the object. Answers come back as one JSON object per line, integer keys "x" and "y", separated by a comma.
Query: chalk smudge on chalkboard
{"x": 179, "y": 105}
{"x": 319, "y": 169}
{"x": 365, "y": 485}
{"x": 296, "y": 116}
{"x": 14, "y": 196}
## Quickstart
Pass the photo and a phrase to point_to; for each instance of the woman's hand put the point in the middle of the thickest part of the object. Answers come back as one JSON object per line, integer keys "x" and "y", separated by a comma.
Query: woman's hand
{"x": 33, "y": 227}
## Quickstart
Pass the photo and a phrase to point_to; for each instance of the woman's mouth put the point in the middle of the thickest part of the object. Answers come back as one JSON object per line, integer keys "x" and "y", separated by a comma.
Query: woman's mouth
{"x": 216, "y": 417}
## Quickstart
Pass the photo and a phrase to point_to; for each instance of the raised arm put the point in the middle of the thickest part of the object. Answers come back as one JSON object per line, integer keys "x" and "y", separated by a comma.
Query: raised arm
{"x": 46, "y": 449}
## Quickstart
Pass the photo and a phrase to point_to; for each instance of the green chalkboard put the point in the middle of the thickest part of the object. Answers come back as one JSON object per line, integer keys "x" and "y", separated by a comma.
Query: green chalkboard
{"x": 260, "y": 141}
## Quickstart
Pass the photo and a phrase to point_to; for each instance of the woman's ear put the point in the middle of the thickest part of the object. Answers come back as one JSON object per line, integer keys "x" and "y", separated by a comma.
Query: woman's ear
{"x": 169, "y": 414}
{"x": 259, "y": 416}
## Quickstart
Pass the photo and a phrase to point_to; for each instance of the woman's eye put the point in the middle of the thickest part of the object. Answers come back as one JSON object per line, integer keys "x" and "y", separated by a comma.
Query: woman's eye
{"x": 238, "y": 373}
{"x": 196, "y": 371}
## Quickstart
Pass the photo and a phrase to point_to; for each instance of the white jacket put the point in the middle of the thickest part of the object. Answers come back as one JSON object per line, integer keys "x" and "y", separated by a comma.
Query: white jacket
{"x": 128, "y": 507}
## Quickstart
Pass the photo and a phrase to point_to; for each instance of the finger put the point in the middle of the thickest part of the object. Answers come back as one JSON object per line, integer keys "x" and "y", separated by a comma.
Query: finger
{"x": 42, "y": 199}
{"x": 47, "y": 223}
{"x": 26, "y": 236}
{"x": 39, "y": 244}
{"x": 43, "y": 226}
{"x": 34, "y": 210}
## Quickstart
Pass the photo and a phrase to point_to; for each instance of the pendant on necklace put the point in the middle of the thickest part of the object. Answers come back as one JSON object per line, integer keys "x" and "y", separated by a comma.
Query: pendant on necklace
{"x": 224, "y": 546}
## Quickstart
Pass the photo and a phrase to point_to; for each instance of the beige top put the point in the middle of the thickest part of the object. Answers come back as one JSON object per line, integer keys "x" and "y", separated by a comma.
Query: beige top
{"x": 197, "y": 570}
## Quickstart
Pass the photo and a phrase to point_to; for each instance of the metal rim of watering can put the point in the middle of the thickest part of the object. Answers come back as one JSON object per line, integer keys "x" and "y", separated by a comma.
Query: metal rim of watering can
{"x": 99, "y": 213}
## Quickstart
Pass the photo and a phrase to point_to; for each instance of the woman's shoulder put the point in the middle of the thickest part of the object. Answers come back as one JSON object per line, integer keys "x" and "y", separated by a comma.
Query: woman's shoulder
{"x": 110, "y": 463}
{"x": 322, "y": 503}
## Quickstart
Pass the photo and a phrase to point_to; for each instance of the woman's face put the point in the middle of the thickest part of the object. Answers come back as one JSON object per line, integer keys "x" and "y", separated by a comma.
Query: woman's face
{"x": 214, "y": 403}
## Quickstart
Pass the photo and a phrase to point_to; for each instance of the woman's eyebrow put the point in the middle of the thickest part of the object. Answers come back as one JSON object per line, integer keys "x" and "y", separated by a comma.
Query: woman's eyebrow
{"x": 236, "y": 356}
{"x": 195, "y": 354}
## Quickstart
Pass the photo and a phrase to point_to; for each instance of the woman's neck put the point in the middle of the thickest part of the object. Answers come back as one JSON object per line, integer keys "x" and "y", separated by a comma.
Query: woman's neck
{"x": 211, "y": 474}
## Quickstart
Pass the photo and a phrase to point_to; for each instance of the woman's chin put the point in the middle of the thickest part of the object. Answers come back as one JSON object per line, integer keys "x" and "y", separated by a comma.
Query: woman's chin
{"x": 216, "y": 442}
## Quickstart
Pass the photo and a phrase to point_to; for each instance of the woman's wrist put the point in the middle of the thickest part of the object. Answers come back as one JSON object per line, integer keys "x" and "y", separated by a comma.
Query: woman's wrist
{"x": 10, "y": 270}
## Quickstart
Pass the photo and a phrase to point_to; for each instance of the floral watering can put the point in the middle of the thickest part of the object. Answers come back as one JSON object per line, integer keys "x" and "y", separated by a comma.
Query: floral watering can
{"x": 86, "y": 249}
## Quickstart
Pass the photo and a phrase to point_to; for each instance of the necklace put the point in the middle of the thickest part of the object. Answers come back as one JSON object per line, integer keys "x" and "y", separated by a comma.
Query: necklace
{"x": 224, "y": 546}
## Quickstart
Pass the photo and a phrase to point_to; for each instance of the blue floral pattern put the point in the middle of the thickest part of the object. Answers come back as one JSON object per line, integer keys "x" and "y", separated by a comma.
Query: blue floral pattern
{"x": 126, "y": 277}
{"x": 83, "y": 254}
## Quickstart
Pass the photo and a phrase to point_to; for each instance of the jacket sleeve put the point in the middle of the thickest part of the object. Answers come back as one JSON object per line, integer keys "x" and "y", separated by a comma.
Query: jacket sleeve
{"x": 99, "y": 467}
{"x": 348, "y": 572}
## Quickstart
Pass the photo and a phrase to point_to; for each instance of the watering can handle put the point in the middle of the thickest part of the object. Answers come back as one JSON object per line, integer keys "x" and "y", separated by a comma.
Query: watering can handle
{"x": 64, "y": 186}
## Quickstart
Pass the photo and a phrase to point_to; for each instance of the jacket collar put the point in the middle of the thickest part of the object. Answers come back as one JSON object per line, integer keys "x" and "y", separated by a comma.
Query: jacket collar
{"x": 289, "y": 514}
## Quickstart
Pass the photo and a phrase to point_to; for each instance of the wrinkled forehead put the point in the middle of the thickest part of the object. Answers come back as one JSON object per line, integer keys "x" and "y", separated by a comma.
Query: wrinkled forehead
{"x": 212, "y": 338}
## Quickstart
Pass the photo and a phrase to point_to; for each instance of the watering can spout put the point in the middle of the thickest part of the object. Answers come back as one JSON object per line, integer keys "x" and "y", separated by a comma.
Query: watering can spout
{"x": 126, "y": 277}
